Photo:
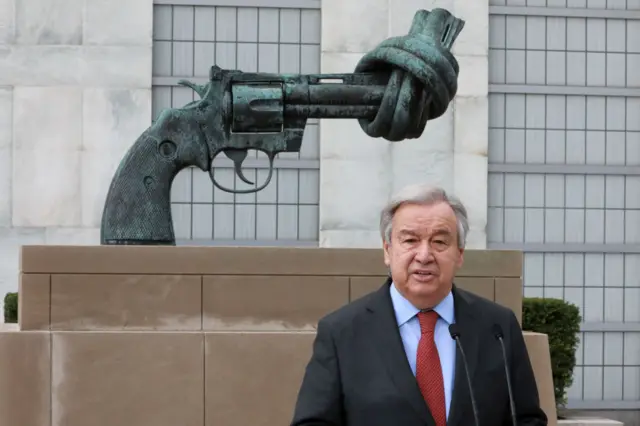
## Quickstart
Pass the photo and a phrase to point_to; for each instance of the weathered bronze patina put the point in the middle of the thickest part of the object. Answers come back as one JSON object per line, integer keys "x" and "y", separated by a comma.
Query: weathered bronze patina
{"x": 399, "y": 86}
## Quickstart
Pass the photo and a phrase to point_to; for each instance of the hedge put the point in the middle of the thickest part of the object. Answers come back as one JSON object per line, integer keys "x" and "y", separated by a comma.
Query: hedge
{"x": 560, "y": 321}
{"x": 11, "y": 308}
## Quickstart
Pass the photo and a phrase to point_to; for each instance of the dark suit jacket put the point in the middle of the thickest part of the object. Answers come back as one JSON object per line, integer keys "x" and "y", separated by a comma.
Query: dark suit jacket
{"x": 359, "y": 375}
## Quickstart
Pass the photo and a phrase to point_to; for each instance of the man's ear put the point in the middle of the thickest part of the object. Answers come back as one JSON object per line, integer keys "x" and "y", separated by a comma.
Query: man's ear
{"x": 461, "y": 258}
{"x": 387, "y": 257}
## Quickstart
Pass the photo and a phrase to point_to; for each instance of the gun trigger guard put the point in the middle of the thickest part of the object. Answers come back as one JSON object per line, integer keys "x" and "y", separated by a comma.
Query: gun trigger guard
{"x": 271, "y": 157}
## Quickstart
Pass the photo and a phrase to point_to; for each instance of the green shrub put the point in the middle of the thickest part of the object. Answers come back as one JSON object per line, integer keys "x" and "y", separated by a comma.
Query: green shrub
{"x": 11, "y": 308}
{"x": 560, "y": 321}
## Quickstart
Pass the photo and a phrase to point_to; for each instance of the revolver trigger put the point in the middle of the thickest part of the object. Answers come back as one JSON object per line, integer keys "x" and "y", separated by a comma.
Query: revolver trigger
{"x": 238, "y": 156}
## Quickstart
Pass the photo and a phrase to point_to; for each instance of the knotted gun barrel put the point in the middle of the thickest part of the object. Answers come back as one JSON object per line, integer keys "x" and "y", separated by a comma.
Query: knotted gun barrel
{"x": 395, "y": 89}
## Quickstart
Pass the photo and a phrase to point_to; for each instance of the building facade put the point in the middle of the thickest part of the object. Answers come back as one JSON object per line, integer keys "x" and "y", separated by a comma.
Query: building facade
{"x": 542, "y": 141}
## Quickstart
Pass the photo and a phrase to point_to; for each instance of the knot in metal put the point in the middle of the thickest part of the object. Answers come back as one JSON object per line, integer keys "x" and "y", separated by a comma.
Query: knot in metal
{"x": 423, "y": 76}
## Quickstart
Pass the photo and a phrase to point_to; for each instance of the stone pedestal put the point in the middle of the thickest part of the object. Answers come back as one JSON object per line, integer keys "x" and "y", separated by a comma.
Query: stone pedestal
{"x": 451, "y": 153}
{"x": 192, "y": 336}
{"x": 538, "y": 348}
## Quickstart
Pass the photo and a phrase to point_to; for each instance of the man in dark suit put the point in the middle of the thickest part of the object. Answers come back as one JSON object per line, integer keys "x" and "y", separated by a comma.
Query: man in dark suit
{"x": 388, "y": 359}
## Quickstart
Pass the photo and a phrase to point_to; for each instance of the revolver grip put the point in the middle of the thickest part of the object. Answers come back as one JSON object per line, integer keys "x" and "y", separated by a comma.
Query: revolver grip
{"x": 138, "y": 205}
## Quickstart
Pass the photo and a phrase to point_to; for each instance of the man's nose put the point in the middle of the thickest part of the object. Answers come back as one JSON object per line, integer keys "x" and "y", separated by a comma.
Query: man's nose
{"x": 423, "y": 252}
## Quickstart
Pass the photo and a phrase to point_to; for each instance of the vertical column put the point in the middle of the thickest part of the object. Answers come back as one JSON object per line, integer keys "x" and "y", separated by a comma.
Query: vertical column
{"x": 359, "y": 173}
{"x": 75, "y": 113}
{"x": 355, "y": 170}
{"x": 6, "y": 119}
{"x": 46, "y": 62}
{"x": 117, "y": 95}
{"x": 7, "y": 15}
{"x": 471, "y": 116}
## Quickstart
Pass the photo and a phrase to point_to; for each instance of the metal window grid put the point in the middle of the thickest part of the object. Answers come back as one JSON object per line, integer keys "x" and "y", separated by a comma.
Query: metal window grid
{"x": 571, "y": 4}
{"x": 190, "y": 37}
{"x": 564, "y": 181}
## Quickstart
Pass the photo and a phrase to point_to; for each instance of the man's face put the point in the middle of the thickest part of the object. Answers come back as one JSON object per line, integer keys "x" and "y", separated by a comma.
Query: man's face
{"x": 423, "y": 254}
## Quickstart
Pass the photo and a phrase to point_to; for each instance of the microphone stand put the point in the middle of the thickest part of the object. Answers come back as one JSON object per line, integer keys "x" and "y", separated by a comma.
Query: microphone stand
{"x": 455, "y": 335}
{"x": 497, "y": 332}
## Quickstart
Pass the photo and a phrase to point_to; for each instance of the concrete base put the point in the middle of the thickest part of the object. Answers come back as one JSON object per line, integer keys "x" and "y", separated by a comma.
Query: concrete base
{"x": 538, "y": 348}
{"x": 170, "y": 335}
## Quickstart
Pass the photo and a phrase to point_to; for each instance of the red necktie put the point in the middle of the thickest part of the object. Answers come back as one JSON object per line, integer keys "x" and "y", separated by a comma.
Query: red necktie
{"x": 429, "y": 370}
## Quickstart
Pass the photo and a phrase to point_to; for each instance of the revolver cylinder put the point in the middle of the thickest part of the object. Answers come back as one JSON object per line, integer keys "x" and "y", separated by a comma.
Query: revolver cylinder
{"x": 257, "y": 106}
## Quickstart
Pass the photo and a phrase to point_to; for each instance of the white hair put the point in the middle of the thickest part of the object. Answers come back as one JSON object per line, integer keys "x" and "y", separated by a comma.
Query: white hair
{"x": 424, "y": 194}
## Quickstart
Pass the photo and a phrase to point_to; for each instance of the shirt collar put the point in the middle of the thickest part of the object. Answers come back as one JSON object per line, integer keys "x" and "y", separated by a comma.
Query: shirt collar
{"x": 404, "y": 310}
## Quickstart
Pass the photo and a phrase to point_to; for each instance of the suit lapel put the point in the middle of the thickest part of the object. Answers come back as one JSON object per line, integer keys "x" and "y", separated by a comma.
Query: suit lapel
{"x": 461, "y": 407}
{"x": 388, "y": 343}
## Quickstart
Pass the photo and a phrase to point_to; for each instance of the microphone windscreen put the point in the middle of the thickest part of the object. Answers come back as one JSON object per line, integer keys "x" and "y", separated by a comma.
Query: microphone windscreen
{"x": 454, "y": 331}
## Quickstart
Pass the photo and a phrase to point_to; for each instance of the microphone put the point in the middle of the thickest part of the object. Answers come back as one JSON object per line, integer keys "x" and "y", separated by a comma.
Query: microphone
{"x": 454, "y": 331}
{"x": 497, "y": 333}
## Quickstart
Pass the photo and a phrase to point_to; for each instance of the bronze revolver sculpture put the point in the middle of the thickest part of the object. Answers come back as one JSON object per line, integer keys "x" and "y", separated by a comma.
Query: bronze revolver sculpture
{"x": 395, "y": 89}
